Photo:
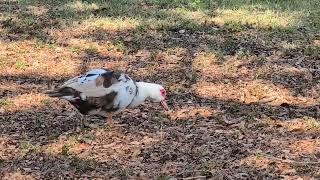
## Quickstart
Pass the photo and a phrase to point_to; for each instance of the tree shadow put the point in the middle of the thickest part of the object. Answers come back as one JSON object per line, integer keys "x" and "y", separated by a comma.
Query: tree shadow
{"x": 31, "y": 19}
{"x": 185, "y": 143}
{"x": 224, "y": 42}
{"x": 58, "y": 166}
{"x": 237, "y": 110}
{"x": 34, "y": 78}
{"x": 20, "y": 23}
{"x": 38, "y": 125}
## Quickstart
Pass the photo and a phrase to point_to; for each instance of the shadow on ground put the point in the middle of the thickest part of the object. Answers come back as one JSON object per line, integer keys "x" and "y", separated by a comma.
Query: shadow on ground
{"x": 224, "y": 143}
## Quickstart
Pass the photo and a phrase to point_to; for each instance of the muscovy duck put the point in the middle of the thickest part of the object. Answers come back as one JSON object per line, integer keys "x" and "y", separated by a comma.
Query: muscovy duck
{"x": 105, "y": 92}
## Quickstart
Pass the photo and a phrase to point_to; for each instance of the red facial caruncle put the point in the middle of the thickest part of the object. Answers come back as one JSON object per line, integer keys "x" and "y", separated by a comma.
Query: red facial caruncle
{"x": 163, "y": 92}
{"x": 163, "y": 102}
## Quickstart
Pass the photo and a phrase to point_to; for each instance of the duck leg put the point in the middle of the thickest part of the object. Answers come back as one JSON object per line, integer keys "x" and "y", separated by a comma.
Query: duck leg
{"x": 83, "y": 122}
{"x": 109, "y": 120}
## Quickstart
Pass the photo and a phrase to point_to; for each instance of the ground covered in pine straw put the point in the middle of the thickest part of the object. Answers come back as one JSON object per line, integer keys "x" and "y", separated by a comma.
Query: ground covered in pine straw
{"x": 242, "y": 80}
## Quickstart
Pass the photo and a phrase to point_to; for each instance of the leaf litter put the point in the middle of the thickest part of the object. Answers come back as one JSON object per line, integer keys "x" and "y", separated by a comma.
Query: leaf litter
{"x": 243, "y": 106}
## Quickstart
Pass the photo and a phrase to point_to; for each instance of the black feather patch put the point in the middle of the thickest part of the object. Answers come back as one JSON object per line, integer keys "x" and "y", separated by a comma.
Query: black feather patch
{"x": 110, "y": 78}
{"x": 65, "y": 91}
{"x": 93, "y": 103}
{"x": 105, "y": 103}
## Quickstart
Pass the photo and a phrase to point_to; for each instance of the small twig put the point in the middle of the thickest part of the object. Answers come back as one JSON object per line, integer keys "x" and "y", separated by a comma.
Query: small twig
{"x": 188, "y": 172}
{"x": 291, "y": 161}
{"x": 191, "y": 172}
{"x": 161, "y": 130}
{"x": 195, "y": 177}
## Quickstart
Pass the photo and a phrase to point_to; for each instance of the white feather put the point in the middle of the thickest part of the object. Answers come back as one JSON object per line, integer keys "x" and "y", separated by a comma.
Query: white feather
{"x": 126, "y": 91}
{"x": 87, "y": 85}
{"x": 125, "y": 88}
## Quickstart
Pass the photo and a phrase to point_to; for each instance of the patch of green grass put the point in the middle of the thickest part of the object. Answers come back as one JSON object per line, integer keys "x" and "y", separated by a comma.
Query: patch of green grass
{"x": 4, "y": 101}
{"x": 21, "y": 51}
{"x": 120, "y": 46}
{"x": 21, "y": 64}
{"x": 231, "y": 68}
{"x": 91, "y": 51}
{"x": 258, "y": 155}
{"x": 229, "y": 46}
{"x": 39, "y": 44}
{"x": 51, "y": 45}
{"x": 163, "y": 177}
{"x": 153, "y": 56}
{"x": 205, "y": 59}
{"x": 86, "y": 138}
{"x": 181, "y": 13}
{"x": 162, "y": 115}
{"x": 259, "y": 73}
{"x": 65, "y": 149}
{"x": 123, "y": 173}
{"x": 83, "y": 165}
{"x": 243, "y": 54}
{"x": 65, "y": 69}
{"x": 193, "y": 78}
{"x": 191, "y": 15}
{"x": 242, "y": 128}
{"x": 39, "y": 123}
{"x": 313, "y": 51}
{"x": 142, "y": 27}
{"x": 45, "y": 101}
{"x": 250, "y": 117}
{"x": 26, "y": 146}
{"x": 235, "y": 26}
{"x": 53, "y": 135}
{"x": 312, "y": 123}
{"x": 72, "y": 140}
{"x": 74, "y": 49}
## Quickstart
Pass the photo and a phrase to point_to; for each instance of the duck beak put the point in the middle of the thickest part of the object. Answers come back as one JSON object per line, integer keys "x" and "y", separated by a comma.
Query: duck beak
{"x": 164, "y": 105}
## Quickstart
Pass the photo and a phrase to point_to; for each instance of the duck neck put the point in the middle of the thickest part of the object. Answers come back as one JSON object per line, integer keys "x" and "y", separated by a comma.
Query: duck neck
{"x": 142, "y": 95}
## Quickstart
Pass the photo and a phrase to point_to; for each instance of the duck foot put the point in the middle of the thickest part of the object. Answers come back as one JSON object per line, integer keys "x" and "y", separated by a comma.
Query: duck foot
{"x": 85, "y": 124}
{"x": 110, "y": 122}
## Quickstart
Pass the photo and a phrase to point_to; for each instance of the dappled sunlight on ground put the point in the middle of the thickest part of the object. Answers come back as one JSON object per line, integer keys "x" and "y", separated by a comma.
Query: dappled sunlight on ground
{"x": 189, "y": 112}
{"x": 300, "y": 125}
{"x": 37, "y": 10}
{"x": 306, "y": 147}
{"x": 25, "y": 101}
{"x": 81, "y": 6}
{"x": 264, "y": 163}
{"x": 123, "y": 147}
{"x": 254, "y": 17}
{"x": 9, "y": 88}
{"x": 112, "y": 25}
{"x": 7, "y": 149}
{"x": 250, "y": 92}
{"x": 242, "y": 80}
{"x": 37, "y": 59}
{"x": 220, "y": 90}
{"x": 18, "y": 175}
{"x": 287, "y": 171}
{"x": 117, "y": 145}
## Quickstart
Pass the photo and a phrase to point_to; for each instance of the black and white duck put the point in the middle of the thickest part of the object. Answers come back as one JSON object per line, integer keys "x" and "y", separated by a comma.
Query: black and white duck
{"x": 105, "y": 92}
